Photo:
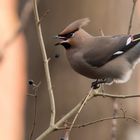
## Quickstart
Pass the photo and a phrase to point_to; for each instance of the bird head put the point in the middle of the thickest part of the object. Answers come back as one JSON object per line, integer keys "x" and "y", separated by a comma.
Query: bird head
{"x": 68, "y": 37}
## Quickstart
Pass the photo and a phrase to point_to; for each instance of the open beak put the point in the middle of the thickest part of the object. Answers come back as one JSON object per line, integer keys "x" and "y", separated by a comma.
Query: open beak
{"x": 59, "y": 37}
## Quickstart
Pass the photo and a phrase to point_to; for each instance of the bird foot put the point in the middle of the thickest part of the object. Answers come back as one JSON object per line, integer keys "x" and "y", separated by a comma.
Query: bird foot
{"x": 96, "y": 84}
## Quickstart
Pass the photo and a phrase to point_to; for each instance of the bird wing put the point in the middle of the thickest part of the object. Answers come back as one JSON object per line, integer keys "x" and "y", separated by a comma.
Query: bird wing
{"x": 104, "y": 49}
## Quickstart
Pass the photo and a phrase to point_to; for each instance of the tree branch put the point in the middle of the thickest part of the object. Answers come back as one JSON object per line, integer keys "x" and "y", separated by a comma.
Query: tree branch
{"x": 79, "y": 110}
{"x": 35, "y": 88}
{"x": 131, "y": 16}
{"x": 98, "y": 121}
{"x": 46, "y": 64}
{"x": 101, "y": 31}
{"x": 116, "y": 96}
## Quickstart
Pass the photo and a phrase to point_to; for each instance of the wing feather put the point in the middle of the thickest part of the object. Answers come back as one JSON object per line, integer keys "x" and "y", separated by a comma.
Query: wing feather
{"x": 104, "y": 49}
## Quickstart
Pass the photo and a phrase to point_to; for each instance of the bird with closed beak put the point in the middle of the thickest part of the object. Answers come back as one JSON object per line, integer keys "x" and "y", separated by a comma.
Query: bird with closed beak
{"x": 106, "y": 59}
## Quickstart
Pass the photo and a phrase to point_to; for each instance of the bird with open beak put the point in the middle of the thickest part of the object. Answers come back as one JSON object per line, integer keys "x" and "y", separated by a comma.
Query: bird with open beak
{"x": 106, "y": 59}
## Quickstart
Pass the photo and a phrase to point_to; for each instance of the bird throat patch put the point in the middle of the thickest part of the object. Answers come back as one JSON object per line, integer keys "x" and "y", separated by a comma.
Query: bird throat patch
{"x": 66, "y": 45}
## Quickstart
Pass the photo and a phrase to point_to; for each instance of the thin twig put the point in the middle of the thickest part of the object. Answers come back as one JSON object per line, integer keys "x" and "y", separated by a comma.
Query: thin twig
{"x": 131, "y": 16}
{"x": 98, "y": 121}
{"x": 46, "y": 64}
{"x": 80, "y": 109}
{"x": 116, "y": 96}
{"x": 101, "y": 31}
{"x": 35, "y": 115}
{"x": 42, "y": 17}
{"x": 35, "y": 88}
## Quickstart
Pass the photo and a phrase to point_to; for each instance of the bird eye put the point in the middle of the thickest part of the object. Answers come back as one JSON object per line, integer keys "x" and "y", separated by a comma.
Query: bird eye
{"x": 70, "y": 35}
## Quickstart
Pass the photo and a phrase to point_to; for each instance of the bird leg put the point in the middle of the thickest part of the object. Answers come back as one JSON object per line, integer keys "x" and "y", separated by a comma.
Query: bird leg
{"x": 96, "y": 84}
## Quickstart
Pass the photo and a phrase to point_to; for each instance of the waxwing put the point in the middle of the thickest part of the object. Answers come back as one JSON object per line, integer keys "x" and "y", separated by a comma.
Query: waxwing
{"x": 106, "y": 59}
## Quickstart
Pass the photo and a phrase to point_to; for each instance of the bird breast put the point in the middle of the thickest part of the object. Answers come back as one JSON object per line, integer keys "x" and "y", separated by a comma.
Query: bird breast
{"x": 77, "y": 62}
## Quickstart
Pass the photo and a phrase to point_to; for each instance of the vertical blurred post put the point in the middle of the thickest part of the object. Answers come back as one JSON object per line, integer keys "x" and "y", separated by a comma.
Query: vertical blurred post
{"x": 12, "y": 74}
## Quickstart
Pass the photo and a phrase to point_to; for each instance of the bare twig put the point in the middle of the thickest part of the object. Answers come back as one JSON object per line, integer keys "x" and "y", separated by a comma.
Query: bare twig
{"x": 116, "y": 96}
{"x": 100, "y": 120}
{"x": 34, "y": 119}
{"x": 35, "y": 88}
{"x": 123, "y": 111}
{"x": 46, "y": 64}
{"x": 42, "y": 17}
{"x": 131, "y": 16}
{"x": 101, "y": 31}
{"x": 80, "y": 109}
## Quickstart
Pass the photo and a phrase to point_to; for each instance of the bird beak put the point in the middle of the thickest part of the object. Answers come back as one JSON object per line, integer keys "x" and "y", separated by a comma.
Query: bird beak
{"x": 59, "y": 37}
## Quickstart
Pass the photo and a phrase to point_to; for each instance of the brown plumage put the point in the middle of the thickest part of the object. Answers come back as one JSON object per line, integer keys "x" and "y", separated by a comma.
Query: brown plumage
{"x": 104, "y": 58}
{"x": 74, "y": 26}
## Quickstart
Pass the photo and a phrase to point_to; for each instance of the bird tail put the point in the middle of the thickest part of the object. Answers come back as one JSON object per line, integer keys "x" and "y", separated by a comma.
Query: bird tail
{"x": 133, "y": 54}
{"x": 136, "y": 38}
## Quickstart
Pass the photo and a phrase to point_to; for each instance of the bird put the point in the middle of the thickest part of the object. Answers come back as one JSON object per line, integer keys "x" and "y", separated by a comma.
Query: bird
{"x": 105, "y": 59}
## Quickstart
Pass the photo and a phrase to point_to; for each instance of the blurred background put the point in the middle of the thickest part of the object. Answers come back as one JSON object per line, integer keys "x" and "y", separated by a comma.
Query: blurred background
{"x": 112, "y": 16}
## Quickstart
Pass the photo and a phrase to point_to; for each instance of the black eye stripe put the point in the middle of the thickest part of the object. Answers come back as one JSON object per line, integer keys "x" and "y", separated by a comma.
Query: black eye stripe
{"x": 67, "y": 35}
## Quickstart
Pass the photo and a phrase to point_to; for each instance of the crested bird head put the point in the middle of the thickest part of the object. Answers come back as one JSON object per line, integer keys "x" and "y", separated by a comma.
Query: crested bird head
{"x": 73, "y": 33}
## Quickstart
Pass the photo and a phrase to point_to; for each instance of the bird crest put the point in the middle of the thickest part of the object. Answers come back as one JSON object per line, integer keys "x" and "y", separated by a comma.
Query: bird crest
{"x": 75, "y": 26}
